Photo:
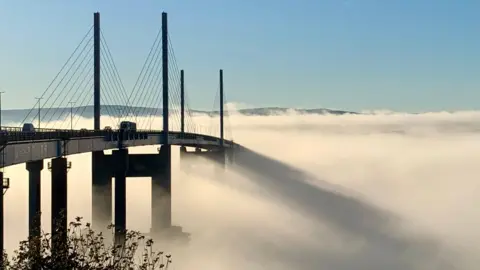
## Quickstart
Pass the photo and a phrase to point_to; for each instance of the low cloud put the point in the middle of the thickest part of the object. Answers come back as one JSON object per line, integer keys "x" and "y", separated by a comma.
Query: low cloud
{"x": 373, "y": 191}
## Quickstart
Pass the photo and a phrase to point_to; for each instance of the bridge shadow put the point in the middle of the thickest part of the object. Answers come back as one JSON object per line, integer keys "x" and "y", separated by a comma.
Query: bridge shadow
{"x": 384, "y": 245}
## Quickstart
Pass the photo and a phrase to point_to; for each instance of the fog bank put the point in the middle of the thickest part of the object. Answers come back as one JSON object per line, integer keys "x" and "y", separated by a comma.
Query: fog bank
{"x": 381, "y": 191}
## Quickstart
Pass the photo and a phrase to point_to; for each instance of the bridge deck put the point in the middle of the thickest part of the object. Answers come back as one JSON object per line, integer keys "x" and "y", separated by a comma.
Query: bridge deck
{"x": 20, "y": 147}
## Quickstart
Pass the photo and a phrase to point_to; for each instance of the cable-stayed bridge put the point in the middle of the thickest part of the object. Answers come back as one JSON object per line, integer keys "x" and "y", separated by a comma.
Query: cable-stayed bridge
{"x": 90, "y": 74}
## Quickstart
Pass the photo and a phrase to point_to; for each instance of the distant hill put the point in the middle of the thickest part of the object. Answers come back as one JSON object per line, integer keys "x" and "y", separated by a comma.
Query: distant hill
{"x": 279, "y": 110}
{"x": 28, "y": 115}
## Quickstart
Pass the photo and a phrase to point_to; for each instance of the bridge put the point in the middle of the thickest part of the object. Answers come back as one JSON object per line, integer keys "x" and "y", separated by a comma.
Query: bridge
{"x": 32, "y": 145}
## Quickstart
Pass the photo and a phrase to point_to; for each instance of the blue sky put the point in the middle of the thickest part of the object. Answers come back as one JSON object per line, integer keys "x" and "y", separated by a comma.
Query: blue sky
{"x": 406, "y": 55}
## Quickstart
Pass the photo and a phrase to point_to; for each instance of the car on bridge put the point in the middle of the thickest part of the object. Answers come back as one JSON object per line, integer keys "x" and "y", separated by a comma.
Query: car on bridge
{"x": 28, "y": 127}
{"x": 128, "y": 126}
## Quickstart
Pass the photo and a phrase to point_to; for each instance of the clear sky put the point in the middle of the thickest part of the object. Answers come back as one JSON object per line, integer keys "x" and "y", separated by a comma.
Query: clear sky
{"x": 407, "y": 55}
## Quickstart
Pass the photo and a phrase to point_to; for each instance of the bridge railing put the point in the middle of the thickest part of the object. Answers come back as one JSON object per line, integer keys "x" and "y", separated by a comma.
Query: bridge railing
{"x": 19, "y": 129}
{"x": 16, "y": 135}
{"x": 13, "y": 134}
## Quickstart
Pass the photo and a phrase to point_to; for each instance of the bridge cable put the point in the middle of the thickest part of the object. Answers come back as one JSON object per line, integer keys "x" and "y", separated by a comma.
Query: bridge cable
{"x": 154, "y": 75}
{"x": 157, "y": 101}
{"x": 61, "y": 80}
{"x": 106, "y": 75}
{"x": 171, "y": 100}
{"x": 143, "y": 68}
{"x": 228, "y": 127}
{"x": 107, "y": 94}
{"x": 85, "y": 92}
{"x": 212, "y": 127}
{"x": 188, "y": 121}
{"x": 117, "y": 74}
{"x": 112, "y": 89}
{"x": 108, "y": 91}
{"x": 155, "y": 98}
{"x": 147, "y": 81}
{"x": 175, "y": 96}
{"x": 83, "y": 105}
{"x": 76, "y": 91}
{"x": 59, "y": 72}
{"x": 190, "y": 113}
{"x": 67, "y": 93}
{"x": 73, "y": 100}
{"x": 65, "y": 108}
{"x": 151, "y": 108}
{"x": 157, "y": 104}
{"x": 109, "y": 87}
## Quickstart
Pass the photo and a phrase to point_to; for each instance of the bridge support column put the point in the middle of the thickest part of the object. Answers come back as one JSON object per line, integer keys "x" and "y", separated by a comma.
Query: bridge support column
{"x": 34, "y": 169}
{"x": 59, "y": 167}
{"x": 2, "y": 238}
{"x": 161, "y": 191}
{"x": 120, "y": 161}
{"x": 220, "y": 158}
{"x": 230, "y": 155}
{"x": 183, "y": 157}
{"x": 101, "y": 191}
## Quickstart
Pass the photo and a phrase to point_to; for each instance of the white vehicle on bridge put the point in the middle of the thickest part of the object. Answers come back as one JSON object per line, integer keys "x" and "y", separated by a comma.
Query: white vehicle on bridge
{"x": 128, "y": 126}
{"x": 28, "y": 127}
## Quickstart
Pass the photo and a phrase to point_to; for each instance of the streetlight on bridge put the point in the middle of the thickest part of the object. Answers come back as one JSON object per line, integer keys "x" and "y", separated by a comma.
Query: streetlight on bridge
{"x": 39, "y": 108}
{"x": 1, "y": 92}
{"x": 5, "y": 182}
{"x": 71, "y": 114}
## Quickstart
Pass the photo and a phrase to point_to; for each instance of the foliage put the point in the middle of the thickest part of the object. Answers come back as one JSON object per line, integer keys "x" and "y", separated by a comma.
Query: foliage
{"x": 85, "y": 249}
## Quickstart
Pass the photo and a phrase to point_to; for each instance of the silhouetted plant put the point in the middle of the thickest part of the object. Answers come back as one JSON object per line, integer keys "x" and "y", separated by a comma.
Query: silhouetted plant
{"x": 85, "y": 249}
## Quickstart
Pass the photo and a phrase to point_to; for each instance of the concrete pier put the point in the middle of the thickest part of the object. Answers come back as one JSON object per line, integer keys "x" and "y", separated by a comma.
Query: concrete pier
{"x": 102, "y": 174}
{"x": 120, "y": 162}
{"x": 2, "y": 238}
{"x": 59, "y": 167}
{"x": 161, "y": 191}
{"x": 34, "y": 169}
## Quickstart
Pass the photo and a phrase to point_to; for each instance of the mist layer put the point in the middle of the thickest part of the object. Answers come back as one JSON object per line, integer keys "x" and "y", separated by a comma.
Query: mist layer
{"x": 380, "y": 191}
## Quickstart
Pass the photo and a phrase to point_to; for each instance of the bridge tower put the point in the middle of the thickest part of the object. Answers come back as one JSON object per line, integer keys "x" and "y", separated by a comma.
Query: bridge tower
{"x": 157, "y": 166}
{"x": 220, "y": 157}
{"x": 101, "y": 174}
{"x": 182, "y": 102}
{"x": 183, "y": 149}
{"x": 217, "y": 155}
{"x": 96, "y": 71}
{"x": 162, "y": 181}
{"x": 221, "y": 108}
{"x": 121, "y": 164}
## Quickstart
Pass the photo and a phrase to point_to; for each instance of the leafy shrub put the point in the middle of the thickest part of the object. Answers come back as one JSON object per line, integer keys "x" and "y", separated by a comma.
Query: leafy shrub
{"x": 85, "y": 249}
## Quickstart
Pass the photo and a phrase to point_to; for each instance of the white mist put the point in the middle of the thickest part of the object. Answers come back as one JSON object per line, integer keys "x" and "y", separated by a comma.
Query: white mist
{"x": 416, "y": 173}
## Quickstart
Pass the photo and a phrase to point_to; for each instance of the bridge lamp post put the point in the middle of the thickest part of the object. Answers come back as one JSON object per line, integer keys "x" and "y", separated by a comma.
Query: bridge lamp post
{"x": 1, "y": 92}
{"x": 69, "y": 166}
{"x": 5, "y": 184}
{"x": 39, "y": 108}
{"x": 71, "y": 114}
{"x": 120, "y": 112}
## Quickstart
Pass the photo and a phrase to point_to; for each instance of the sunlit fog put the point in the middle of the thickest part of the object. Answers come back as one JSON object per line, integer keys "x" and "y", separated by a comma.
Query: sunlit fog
{"x": 373, "y": 191}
